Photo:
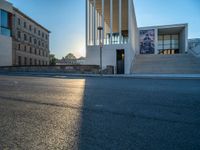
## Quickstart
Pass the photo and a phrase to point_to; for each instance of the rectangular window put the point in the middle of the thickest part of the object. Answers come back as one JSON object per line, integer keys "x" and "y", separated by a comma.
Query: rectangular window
{"x": 35, "y": 51}
{"x": 34, "y": 30}
{"x": 19, "y": 47}
{"x": 19, "y": 34}
{"x": 30, "y": 49}
{"x": 25, "y": 61}
{"x": 19, "y": 21}
{"x": 24, "y": 24}
{"x": 25, "y": 48}
{"x": 35, "y": 62}
{"x": 30, "y": 39}
{"x": 31, "y": 61}
{"x": 25, "y": 37}
{"x": 5, "y": 23}
{"x": 30, "y": 27}
{"x": 19, "y": 60}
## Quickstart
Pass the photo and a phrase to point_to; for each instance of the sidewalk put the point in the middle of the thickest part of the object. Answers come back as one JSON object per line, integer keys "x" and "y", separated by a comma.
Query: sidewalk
{"x": 134, "y": 76}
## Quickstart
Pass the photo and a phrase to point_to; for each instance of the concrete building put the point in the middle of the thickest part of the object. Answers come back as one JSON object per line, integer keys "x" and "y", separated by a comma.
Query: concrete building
{"x": 117, "y": 17}
{"x": 131, "y": 49}
{"x": 23, "y": 41}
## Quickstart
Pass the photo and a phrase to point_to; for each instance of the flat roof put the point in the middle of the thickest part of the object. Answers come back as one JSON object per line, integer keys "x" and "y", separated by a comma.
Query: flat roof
{"x": 165, "y": 26}
{"x": 24, "y": 15}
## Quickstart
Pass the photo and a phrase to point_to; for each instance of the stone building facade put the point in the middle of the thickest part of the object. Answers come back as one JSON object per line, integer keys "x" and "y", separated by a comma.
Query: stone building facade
{"x": 30, "y": 41}
{"x": 23, "y": 41}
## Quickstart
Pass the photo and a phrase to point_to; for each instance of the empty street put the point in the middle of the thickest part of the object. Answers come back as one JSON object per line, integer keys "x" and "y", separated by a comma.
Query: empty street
{"x": 96, "y": 113}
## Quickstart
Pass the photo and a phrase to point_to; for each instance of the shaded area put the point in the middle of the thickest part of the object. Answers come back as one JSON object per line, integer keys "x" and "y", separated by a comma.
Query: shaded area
{"x": 99, "y": 113}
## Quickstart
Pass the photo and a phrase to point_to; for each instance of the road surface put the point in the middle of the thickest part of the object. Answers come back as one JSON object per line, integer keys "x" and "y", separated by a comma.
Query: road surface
{"x": 99, "y": 113}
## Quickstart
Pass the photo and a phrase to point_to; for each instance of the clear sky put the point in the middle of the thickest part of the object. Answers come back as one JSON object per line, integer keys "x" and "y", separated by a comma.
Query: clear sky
{"x": 66, "y": 19}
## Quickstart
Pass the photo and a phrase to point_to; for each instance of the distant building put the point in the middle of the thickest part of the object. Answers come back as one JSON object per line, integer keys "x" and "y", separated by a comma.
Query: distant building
{"x": 23, "y": 41}
{"x": 64, "y": 61}
{"x": 81, "y": 60}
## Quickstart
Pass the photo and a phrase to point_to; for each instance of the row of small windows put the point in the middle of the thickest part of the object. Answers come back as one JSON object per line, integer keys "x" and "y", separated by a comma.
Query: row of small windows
{"x": 32, "y": 62}
{"x": 33, "y": 50}
{"x": 31, "y": 40}
{"x": 33, "y": 29}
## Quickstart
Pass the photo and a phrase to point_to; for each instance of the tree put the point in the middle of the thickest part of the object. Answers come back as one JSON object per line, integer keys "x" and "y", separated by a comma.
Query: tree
{"x": 52, "y": 59}
{"x": 70, "y": 56}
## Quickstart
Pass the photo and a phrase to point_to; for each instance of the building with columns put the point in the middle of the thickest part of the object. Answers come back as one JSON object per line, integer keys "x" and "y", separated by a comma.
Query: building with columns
{"x": 119, "y": 34}
{"x": 122, "y": 40}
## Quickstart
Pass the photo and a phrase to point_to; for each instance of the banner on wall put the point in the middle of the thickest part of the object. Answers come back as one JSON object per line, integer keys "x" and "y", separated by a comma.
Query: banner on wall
{"x": 147, "y": 40}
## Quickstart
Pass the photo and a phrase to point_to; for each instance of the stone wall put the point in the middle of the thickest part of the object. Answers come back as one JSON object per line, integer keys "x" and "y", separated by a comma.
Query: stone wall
{"x": 74, "y": 69}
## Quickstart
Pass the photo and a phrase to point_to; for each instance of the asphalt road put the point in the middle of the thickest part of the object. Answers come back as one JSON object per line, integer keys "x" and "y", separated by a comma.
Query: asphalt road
{"x": 99, "y": 114}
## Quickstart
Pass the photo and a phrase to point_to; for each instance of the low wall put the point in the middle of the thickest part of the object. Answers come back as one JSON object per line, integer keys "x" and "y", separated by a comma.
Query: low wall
{"x": 74, "y": 69}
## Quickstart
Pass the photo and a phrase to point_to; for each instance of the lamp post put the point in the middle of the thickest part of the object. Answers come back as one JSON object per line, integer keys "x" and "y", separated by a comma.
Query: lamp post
{"x": 101, "y": 46}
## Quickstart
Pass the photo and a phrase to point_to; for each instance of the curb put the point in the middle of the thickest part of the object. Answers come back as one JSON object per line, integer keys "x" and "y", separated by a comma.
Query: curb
{"x": 133, "y": 76}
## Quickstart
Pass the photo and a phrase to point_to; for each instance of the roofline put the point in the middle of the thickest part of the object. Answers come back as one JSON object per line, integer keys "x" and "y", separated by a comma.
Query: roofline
{"x": 165, "y": 26}
{"x": 24, "y": 15}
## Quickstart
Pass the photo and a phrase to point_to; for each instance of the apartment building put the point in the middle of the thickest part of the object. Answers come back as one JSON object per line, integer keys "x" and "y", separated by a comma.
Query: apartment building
{"x": 23, "y": 41}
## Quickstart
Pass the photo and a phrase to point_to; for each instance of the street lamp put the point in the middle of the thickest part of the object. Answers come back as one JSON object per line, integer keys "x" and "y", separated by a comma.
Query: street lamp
{"x": 100, "y": 29}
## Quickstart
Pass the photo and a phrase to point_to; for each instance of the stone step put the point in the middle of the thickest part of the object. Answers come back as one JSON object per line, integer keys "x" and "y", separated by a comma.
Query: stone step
{"x": 180, "y": 63}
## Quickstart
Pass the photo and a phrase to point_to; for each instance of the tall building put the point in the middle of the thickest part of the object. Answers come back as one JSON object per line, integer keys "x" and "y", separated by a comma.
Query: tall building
{"x": 117, "y": 17}
{"x": 23, "y": 41}
{"x": 123, "y": 42}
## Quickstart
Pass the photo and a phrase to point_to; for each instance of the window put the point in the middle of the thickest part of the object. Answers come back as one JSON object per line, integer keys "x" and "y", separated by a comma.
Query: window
{"x": 19, "y": 21}
{"x": 30, "y": 49}
{"x": 46, "y": 37}
{"x": 25, "y": 48}
{"x": 35, "y": 41}
{"x": 39, "y": 32}
{"x": 35, "y": 30}
{"x": 42, "y": 53}
{"x": 30, "y": 27}
{"x": 31, "y": 63}
{"x": 35, "y": 61}
{"x": 39, "y": 52}
{"x": 39, "y": 43}
{"x": 5, "y": 23}
{"x": 39, "y": 62}
{"x": 25, "y": 61}
{"x": 42, "y": 34}
{"x": 19, "y": 34}
{"x": 19, "y": 60}
{"x": 25, "y": 37}
{"x": 19, "y": 47}
{"x": 30, "y": 39}
{"x": 35, "y": 51}
{"x": 24, "y": 24}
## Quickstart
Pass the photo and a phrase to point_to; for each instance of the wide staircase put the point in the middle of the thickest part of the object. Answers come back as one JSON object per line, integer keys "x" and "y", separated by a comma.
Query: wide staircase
{"x": 166, "y": 64}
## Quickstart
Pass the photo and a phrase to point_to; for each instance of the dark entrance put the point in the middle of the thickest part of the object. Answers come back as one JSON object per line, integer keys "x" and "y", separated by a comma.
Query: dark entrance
{"x": 120, "y": 61}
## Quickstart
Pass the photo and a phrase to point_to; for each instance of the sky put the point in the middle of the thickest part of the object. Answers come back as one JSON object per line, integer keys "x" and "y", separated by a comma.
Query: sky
{"x": 66, "y": 19}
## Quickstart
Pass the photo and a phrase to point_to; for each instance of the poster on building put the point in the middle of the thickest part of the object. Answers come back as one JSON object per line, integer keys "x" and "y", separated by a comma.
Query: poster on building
{"x": 147, "y": 41}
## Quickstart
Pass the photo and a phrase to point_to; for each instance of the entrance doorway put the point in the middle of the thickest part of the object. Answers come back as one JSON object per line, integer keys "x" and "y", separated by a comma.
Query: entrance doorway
{"x": 120, "y": 61}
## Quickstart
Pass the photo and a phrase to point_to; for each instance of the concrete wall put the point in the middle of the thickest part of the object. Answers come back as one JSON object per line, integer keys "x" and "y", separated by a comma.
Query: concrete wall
{"x": 184, "y": 40}
{"x": 108, "y": 55}
{"x": 5, "y": 42}
{"x": 133, "y": 35}
{"x": 5, "y": 51}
